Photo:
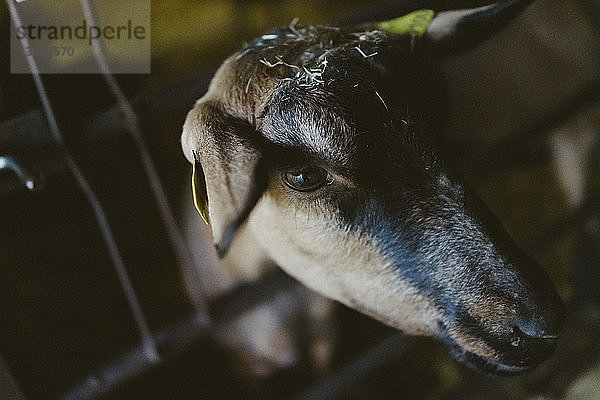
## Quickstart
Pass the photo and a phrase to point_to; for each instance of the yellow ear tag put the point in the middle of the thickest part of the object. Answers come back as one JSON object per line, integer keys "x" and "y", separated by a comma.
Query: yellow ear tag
{"x": 415, "y": 23}
{"x": 199, "y": 191}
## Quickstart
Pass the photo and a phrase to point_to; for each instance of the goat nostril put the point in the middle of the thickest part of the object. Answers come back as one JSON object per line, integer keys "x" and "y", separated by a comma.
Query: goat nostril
{"x": 543, "y": 323}
{"x": 539, "y": 328}
{"x": 532, "y": 329}
{"x": 516, "y": 338}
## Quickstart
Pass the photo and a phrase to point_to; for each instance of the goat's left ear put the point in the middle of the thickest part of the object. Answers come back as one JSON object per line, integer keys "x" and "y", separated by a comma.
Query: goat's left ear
{"x": 229, "y": 175}
{"x": 458, "y": 30}
{"x": 453, "y": 31}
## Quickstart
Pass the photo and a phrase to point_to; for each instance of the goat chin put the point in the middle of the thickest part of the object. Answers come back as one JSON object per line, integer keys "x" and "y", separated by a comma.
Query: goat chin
{"x": 294, "y": 326}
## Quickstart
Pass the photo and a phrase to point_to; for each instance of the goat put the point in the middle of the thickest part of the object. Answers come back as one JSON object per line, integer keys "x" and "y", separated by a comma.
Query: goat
{"x": 319, "y": 148}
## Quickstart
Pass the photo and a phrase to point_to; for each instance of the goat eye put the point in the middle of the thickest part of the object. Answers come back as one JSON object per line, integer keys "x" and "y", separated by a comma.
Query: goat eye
{"x": 307, "y": 179}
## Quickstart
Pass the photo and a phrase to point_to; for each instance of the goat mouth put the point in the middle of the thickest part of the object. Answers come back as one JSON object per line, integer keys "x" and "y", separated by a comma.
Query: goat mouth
{"x": 499, "y": 360}
{"x": 486, "y": 365}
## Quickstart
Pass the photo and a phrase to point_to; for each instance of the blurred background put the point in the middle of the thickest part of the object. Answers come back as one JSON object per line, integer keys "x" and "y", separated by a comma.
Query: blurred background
{"x": 523, "y": 128}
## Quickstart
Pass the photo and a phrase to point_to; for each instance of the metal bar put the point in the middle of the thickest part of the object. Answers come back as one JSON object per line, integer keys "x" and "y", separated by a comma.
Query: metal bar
{"x": 180, "y": 336}
{"x": 8, "y": 385}
{"x": 150, "y": 349}
{"x": 170, "y": 341}
{"x": 26, "y": 177}
{"x": 182, "y": 253}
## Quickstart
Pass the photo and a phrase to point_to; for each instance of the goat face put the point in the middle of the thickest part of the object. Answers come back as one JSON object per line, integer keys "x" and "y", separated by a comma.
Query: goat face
{"x": 325, "y": 142}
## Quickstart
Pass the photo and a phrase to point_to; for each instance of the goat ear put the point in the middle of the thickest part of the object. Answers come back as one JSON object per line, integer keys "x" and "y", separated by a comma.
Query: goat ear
{"x": 199, "y": 189}
{"x": 458, "y": 30}
{"x": 228, "y": 176}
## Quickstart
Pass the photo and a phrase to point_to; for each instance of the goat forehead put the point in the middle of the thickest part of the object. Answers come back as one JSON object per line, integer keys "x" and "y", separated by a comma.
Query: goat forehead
{"x": 307, "y": 49}
{"x": 311, "y": 124}
{"x": 310, "y": 57}
{"x": 299, "y": 84}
